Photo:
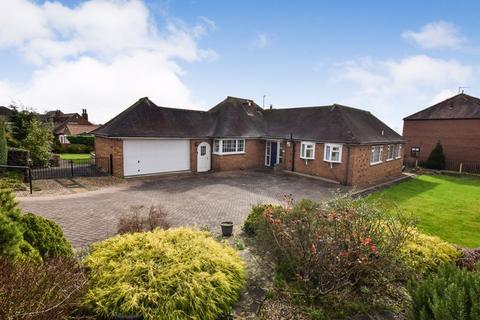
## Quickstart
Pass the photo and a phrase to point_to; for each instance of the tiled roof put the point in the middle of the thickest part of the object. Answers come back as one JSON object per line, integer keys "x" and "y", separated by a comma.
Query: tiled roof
{"x": 461, "y": 106}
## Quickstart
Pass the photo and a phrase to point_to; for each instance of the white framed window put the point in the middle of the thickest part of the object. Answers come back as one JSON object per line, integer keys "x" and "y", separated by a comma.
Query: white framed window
{"x": 377, "y": 155}
{"x": 332, "y": 153}
{"x": 390, "y": 151}
{"x": 398, "y": 151}
{"x": 307, "y": 150}
{"x": 228, "y": 146}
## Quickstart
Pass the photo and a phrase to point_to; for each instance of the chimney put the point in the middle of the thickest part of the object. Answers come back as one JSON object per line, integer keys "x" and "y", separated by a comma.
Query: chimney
{"x": 84, "y": 114}
{"x": 271, "y": 106}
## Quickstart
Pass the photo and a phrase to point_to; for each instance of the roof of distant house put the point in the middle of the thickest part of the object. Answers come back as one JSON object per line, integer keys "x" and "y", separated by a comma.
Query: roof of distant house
{"x": 76, "y": 129}
{"x": 4, "y": 111}
{"x": 460, "y": 106}
{"x": 238, "y": 117}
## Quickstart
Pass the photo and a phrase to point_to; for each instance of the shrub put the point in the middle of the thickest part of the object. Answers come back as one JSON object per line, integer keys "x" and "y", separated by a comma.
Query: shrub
{"x": 12, "y": 180}
{"x": 451, "y": 293}
{"x": 423, "y": 253}
{"x": 18, "y": 157}
{"x": 339, "y": 246}
{"x": 164, "y": 274}
{"x": 136, "y": 221}
{"x": 3, "y": 144}
{"x": 87, "y": 140}
{"x": 469, "y": 258}
{"x": 39, "y": 142}
{"x": 40, "y": 291}
{"x": 255, "y": 219}
{"x": 77, "y": 148}
{"x": 436, "y": 159}
{"x": 45, "y": 236}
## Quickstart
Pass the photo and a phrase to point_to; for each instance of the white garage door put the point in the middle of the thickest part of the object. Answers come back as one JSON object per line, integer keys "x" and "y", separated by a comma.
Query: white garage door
{"x": 155, "y": 156}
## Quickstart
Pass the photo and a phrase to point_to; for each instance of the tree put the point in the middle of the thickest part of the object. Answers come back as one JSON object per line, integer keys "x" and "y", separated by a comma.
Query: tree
{"x": 20, "y": 122}
{"x": 3, "y": 144}
{"x": 39, "y": 141}
{"x": 436, "y": 160}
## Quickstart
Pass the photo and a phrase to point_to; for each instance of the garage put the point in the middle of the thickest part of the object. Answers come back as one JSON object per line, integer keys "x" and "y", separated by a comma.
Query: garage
{"x": 149, "y": 156}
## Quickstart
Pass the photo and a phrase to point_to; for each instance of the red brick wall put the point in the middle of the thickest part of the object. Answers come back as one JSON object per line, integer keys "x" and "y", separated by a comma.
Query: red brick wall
{"x": 254, "y": 157}
{"x": 106, "y": 146}
{"x": 460, "y": 138}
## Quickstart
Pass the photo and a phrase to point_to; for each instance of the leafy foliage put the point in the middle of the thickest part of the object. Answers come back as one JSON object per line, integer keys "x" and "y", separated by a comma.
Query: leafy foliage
{"x": 40, "y": 291}
{"x": 12, "y": 180}
{"x": 436, "y": 159}
{"x": 451, "y": 293}
{"x": 39, "y": 141}
{"x": 255, "y": 219}
{"x": 423, "y": 253}
{"x": 45, "y": 236}
{"x": 77, "y": 148}
{"x": 164, "y": 274}
{"x": 21, "y": 119}
{"x": 87, "y": 140}
{"x": 328, "y": 250}
{"x": 3, "y": 144}
{"x": 469, "y": 258}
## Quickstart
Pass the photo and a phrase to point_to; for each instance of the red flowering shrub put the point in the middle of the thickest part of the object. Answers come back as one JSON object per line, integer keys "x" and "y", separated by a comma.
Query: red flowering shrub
{"x": 342, "y": 245}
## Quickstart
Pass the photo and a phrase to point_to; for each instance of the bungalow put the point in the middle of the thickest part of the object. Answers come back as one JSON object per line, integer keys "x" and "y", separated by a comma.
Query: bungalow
{"x": 339, "y": 143}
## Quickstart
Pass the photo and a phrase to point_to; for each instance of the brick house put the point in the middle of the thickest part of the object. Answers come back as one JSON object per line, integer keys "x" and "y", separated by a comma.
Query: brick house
{"x": 335, "y": 142}
{"x": 455, "y": 122}
{"x": 68, "y": 124}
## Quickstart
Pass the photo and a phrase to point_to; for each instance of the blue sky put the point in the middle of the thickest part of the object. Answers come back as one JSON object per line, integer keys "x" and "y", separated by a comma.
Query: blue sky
{"x": 390, "y": 58}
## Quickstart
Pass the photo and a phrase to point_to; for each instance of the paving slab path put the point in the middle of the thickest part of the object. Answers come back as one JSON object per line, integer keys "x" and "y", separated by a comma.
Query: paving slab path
{"x": 202, "y": 200}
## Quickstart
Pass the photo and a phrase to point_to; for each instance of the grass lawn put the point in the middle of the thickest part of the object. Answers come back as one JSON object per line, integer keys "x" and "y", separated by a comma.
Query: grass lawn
{"x": 74, "y": 156}
{"x": 448, "y": 207}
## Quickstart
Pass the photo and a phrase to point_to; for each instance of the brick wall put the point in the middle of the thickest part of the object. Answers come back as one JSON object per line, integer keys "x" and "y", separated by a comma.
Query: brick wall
{"x": 459, "y": 138}
{"x": 106, "y": 146}
{"x": 254, "y": 157}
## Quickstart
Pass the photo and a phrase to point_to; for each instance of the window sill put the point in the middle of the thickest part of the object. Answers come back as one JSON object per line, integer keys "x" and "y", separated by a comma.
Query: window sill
{"x": 329, "y": 161}
{"x": 398, "y": 158}
{"x": 390, "y": 159}
{"x": 375, "y": 163}
{"x": 307, "y": 158}
{"x": 227, "y": 153}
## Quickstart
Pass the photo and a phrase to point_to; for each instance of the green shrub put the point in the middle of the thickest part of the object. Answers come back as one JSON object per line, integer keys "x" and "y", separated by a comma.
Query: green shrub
{"x": 12, "y": 180}
{"x": 436, "y": 159}
{"x": 451, "y": 293}
{"x": 87, "y": 140}
{"x": 77, "y": 148}
{"x": 423, "y": 253}
{"x": 332, "y": 251}
{"x": 164, "y": 274}
{"x": 254, "y": 219}
{"x": 45, "y": 236}
{"x": 3, "y": 144}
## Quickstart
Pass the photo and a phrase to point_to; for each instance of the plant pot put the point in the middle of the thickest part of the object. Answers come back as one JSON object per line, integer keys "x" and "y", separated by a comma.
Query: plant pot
{"x": 227, "y": 228}
{"x": 125, "y": 317}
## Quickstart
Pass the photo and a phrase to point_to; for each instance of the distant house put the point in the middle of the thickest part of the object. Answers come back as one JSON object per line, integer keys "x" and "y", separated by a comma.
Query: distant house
{"x": 66, "y": 124}
{"x": 335, "y": 142}
{"x": 455, "y": 122}
{"x": 5, "y": 113}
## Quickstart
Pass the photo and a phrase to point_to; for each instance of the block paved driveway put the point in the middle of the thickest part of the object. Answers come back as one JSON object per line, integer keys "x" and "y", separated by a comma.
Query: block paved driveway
{"x": 189, "y": 200}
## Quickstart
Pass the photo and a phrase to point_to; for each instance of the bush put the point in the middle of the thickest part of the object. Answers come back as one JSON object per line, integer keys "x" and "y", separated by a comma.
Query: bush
{"x": 174, "y": 274}
{"x": 451, "y": 293}
{"x": 436, "y": 160}
{"x": 39, "y": 142}
{"x": 138, "y": 222}
{"x": 12, "y": 180}
{"x": 45, "y": 236}
{"x": 423, "y": 253}
{"x": 18, "y": 157}
{"x": 469, "y": 258}
{"x": 77, "y": 148}
{"x": 40, "y": 291}
{"x": 3, "y": 144}
{"x": 340, "y": 246}
{"x": 255, "y": 219}
{"x": 87, "y": 140}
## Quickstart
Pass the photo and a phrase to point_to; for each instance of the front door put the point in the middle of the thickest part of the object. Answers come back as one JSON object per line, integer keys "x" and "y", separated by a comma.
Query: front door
{"x": 271, "y": 153}
{"x": 274, "y": 154}
{"x": 203, "y": 157}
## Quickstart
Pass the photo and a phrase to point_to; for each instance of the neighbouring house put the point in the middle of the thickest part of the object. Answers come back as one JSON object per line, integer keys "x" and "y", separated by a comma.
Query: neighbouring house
{"x": 335, "y": 142}
{"x": 68, "y": 124}
{"x": 455, "y": 122}
{"x": 5, "y": 113}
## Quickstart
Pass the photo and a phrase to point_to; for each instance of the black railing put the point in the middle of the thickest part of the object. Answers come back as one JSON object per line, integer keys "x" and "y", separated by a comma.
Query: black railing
{"x": 450, "y": 165}
{"x": 63, "y": 168}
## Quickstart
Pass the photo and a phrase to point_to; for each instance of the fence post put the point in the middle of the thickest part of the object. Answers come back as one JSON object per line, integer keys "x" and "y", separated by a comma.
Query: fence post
{"x": 71, "y": 167}
{"x": 416, "y": 163}
{"x": 110, "y": 164}
{"x": 30, "y": 179}
{"x": 461, "y": 167}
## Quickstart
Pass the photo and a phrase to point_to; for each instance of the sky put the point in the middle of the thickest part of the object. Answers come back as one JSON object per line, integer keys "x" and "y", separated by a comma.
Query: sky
{"x": 391, "y": 59}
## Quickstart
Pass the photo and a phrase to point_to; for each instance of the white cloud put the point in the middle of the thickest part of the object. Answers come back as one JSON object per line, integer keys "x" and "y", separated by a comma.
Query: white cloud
{"x": 393, "y": 89}
{"x": 262, "y": 41}
{"x": 102, "y": 55}
{"x": 436, "y": 34}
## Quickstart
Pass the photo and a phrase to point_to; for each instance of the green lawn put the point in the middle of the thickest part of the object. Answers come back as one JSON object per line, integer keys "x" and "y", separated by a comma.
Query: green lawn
{"x": 445, "y": 206}
{"x": 74, "y": 156}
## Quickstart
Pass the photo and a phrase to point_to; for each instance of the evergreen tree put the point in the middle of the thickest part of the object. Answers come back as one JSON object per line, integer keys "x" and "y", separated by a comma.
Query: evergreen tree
{"x": 436, "y": 160}
{"x": 3, "y": 144}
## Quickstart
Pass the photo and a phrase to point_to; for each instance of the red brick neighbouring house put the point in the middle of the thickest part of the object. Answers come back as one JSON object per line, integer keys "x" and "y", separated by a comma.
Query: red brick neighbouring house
{"x": 339, "y": 143}
{"x": 454, "y": 122}
{"x": 68, "y": 124}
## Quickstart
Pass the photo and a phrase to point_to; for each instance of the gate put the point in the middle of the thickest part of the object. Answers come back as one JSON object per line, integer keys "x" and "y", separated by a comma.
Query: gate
{"x": 62, "y": 168}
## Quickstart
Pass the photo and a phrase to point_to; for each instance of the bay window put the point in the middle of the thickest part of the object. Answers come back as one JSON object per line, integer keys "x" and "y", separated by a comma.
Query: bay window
{"x": 228, "y": 146}
{"x": 377, "y": 155}
{"x": 398, "y": 153}
{"x": 390, "y": 151}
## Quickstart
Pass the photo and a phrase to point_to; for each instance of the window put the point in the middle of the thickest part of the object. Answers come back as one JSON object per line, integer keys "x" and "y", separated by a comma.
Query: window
{"x": 398, "y": 153}
{"x": 332, "y": 153}
{"x": 377, "y": 155}
{"x": 280, "y": 154}
{"x": 228, "y": 146}
{"x": 415, "y": 152}
{"x": 307, "y": 150}
{"x": 390, "y": 151}
{"x": 203, "y": 150}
